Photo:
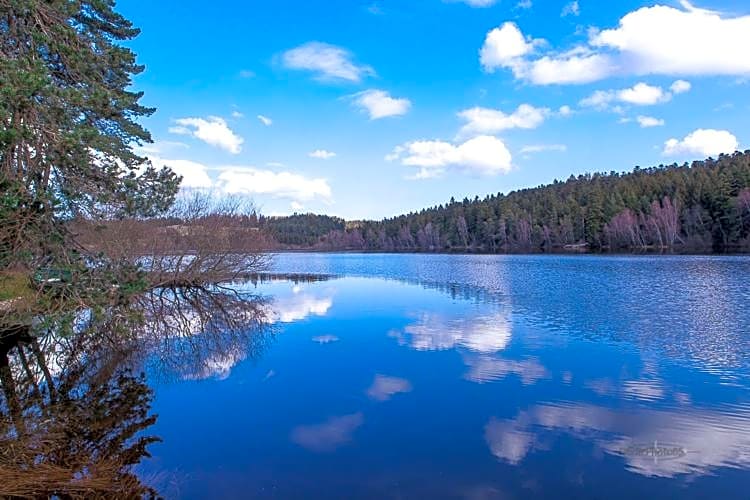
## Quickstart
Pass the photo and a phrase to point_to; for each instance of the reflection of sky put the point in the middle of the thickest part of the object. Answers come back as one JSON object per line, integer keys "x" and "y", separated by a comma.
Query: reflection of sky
{"x": 483, "y": 368}
{"x": 218, "y": 365}
{"x": 329, "y": 435}
{"x": 299, "y": 307}
{"x": 434, "y": 331}
{"x": 446, "y": 387}
{"x": 480, "y": 336}
{"x": 385, "y": 387}
{"x": 299, "y": 304}
{"x": 325, "y": 339}
{"x": 711, "y": 438}
{"x": 690, "y": 307}
{"x": 291, "y": 303}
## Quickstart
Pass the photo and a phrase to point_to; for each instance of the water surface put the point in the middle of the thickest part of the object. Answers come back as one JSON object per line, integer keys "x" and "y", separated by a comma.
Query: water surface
{"x": 423, "y": 376}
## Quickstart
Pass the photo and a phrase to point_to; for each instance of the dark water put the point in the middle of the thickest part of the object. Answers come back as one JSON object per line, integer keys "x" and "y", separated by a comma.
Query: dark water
{"x": 415, "y": 376}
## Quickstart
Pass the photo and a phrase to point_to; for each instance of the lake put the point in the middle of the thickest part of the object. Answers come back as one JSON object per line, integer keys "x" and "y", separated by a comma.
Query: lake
{"x": 477, "y": 377}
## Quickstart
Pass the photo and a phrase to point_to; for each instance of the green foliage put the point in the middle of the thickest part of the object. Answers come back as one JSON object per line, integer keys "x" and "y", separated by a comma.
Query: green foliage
{"x": 69, "y": 121}
{"x": 301, "y": 229}
{"x": 700, "y": 207}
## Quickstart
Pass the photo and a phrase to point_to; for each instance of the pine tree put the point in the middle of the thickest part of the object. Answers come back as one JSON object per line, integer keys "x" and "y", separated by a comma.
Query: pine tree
{"x": 68, "y": 121}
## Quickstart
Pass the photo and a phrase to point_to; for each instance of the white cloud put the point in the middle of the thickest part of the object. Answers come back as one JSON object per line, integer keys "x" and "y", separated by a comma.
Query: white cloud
{"x": 484, "y": 155}
{"x": 246, "y": 73}
{"x": 539, "y": 148}
{"x": 507, "y": 47}
{"x": 640, "y": 94}
{"x": 484, "y": 121}
{"x": 213, "y": 131}
{"x": 296, "y": 206}
{"x": 194, "y": 175}
{"x": 524, "y": 4}
{"x": 504, "y": 47}
{"x": 680, "y": 86}
{"x": 380, "y": 104}
{"x": 571, "y": 9}
{"x": 659, "y": 40}
{"x": 565, "y": 111}
{"x": 321, "y": 154}
{"x": 237, "y": 114}
{"x": 249, "y": 180}
{"x": 600, "y": 99}
{"x": 649, "y": 121}
{"x": 575, "y": 66}
{"x": 159, "y": 147}
{"x": 328, "y": 62}
{"x": 688, "y": 41}
{"x": 265, "y": 120}
{"x": 702, "y": 142}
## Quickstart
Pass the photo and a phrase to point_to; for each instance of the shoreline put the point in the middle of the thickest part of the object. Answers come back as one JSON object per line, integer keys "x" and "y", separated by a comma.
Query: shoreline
{"x": 553, "y": 253}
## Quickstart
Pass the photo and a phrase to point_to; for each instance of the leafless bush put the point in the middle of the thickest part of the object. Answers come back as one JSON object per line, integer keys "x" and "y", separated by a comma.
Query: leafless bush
{"x": 202, "y": 240}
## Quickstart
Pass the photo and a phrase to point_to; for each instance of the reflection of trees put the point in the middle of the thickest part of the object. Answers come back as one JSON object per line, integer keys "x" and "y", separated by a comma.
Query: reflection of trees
{"x": 197, "y": 331}
{"x": 73, "y": 433}
{"x": 295, "y": 278}
{"x": 73, "y": 412}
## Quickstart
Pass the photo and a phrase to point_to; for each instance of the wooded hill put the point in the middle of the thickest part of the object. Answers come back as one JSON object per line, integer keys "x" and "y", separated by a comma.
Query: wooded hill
{"x": 698, "y": 207}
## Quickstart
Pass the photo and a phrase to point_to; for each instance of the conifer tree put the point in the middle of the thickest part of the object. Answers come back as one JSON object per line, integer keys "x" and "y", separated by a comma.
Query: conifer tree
{"x": 69, "y": 122}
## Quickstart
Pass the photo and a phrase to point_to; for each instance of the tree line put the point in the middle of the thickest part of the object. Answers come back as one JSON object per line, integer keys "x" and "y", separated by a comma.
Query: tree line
{"x": 698, "y": 207}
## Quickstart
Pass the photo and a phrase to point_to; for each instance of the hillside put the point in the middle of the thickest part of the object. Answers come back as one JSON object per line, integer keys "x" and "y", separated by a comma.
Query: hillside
{"x": 698, "y": 207}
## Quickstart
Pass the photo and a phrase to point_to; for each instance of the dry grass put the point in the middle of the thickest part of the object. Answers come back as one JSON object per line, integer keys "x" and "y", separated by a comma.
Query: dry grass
{"x": 15, "y": 285}
{"x": 43, "y": 480}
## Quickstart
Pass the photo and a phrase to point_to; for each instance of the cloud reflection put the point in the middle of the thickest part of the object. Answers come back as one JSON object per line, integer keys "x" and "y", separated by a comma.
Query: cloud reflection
{"x": 483, "y": 368}
{"x": 711, "y": 438}
{"x": 325, "y": 339}
{"x": 384, "y": 387}
{"x": 482, "y": 336}
{"x": 299, "y": 306}
{"x": 433, "y": 332}
{"x": 507, "y": 441}
{"x": 329, "y": 435}
{"x": 218, "y": 366}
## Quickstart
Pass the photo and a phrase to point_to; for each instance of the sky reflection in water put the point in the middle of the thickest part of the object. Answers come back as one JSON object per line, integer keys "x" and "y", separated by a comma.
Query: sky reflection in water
{"x": 488, "y": 378}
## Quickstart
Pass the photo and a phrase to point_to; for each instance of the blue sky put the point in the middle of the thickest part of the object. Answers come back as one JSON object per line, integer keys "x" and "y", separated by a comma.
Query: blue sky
{"x": 368, "y": 109}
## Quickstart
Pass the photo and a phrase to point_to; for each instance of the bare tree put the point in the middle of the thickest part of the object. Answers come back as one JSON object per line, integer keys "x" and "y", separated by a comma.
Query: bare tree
{"x": 624, "y": 231}
{"x": 665, "y": 220}
{"x": 463, "y": 230}
{"x": 743, "y": 205}
{"x": 202, "y": 240}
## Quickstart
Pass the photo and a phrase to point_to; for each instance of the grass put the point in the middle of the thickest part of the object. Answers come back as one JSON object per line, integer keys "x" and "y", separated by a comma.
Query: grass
{"x": 14, "y": 285}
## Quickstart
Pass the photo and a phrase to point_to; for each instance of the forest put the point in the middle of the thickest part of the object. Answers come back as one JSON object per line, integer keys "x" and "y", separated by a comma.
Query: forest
{"x": 698, "y": 207}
